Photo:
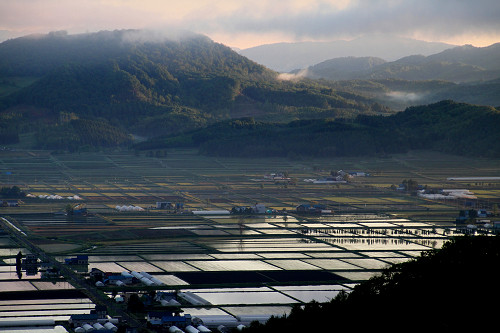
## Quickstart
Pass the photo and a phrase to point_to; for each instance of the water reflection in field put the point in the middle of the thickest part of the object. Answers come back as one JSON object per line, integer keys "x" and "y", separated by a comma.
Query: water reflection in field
{"x": 297, "y": 259}
{"x": 309, "y": 295}
{"x": 261, "y": 297}
{"x": 277, "y": 311}
{"x": 232, "y": 265}
{"x": 291, "y": 264}
{"x": 34, "y": 329}
{"x": 368, "y": 243}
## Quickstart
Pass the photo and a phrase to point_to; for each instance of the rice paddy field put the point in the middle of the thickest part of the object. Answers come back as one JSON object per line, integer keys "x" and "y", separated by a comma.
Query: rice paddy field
{"x": 241, "y": 265}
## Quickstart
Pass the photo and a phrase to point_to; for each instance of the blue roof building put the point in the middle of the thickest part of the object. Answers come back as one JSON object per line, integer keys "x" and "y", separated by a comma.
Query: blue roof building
{"x": 168, "y": 319}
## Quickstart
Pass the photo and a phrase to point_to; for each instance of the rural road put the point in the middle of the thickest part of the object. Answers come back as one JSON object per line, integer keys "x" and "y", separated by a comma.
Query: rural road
{"x": 95, "y": 295}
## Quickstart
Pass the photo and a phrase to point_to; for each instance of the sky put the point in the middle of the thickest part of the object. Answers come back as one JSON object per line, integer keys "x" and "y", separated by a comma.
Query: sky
{"x": 248, "y": 23}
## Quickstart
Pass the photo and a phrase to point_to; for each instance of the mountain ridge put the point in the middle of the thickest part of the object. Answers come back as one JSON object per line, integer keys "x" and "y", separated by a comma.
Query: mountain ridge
{"x": 147, "y": 85}
{"x": 459, "y": 64}
{"x": 286, "y": 57}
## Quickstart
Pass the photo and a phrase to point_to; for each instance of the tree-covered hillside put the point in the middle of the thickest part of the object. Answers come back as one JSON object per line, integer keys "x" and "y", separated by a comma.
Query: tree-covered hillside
{"x": 445, "y": 290}
{"x": 181, "y": 52}
{"x": 342, "y": 68}
{"x": 446, "y": 126}
{"x": 400, "y": 94}
{"x": 146, "y": 83}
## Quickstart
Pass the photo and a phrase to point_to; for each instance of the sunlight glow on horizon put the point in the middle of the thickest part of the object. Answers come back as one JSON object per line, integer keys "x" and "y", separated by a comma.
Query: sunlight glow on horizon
{"x": 248, "y": 24}
{"x": 249, "y": 40}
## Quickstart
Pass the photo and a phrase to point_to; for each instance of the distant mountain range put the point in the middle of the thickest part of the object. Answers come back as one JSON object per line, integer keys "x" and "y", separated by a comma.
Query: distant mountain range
{"x": 459, "y": 64}
{"x": 464, "y": 74}
{"x": 286, "y": 57}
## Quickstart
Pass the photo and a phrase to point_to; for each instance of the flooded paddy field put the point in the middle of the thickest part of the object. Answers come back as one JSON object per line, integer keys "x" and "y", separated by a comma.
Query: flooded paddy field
{"x": 240, "y": 265}
{"x": 58, "y": 305}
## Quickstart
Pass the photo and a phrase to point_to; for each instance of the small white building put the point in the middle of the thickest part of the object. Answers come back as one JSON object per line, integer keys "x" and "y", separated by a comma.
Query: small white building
{"x": 259, "y": 209}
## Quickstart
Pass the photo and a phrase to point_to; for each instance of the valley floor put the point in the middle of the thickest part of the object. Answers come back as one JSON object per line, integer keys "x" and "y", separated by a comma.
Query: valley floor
{"x": 242, "y": 266}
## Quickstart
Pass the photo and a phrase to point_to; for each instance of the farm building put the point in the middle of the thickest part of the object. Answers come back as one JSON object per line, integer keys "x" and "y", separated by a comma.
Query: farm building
{"x": 279, "y": 176}
{"x": 118, "y": 279}
{"x": 164, "y": 205}
{"x": 259, "y": 208}
{"x": 163, "y": 295}
{"x": 169, "y": 205}
{"x": 78, "y": 260}
{"x": 10, "y": 203}
{"x": 308, "y": 208}
{"x": 101, "y": 311}
{"x": 327, "y": 180}
{"x": 256, "y": 209}
{"x": 81, "y": 319}
{"x": 49, "y": 273}
{"x": 30, "y": 264}
{"x": 168, "y": 319}
{"x": 96, "y": 274}
{"x": 30, "y": 260}
{"x": 470, "y": 215}
{"x": 359, "y": 174}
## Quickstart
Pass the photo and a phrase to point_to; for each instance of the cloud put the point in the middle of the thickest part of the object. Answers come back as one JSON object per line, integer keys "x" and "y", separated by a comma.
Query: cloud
{"x": 293, "y": 76}
{"x": 443, "y": 18}
{"x": 148, "y": 35}
{"x": 405, "y": 96}
{"x": 295, "y": 19}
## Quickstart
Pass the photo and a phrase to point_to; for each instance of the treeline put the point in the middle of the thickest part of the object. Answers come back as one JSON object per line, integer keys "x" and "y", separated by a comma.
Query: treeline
{"x": 81, "y": 134}
{"x": 13, "y": 192}
{"x": 446, "y": 126}
{"x": 295, "y": 96}
{"x": 399, "y": 94}
{"x": 438, "y": 291}
{"x": 8, "y": 135}
{"x": 100, "y": 74}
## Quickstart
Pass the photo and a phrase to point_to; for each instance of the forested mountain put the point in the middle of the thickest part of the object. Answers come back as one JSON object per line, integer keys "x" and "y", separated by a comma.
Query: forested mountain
{"x": 399, "y": 94}
{"x": 93, "y": 90}
{"x": 344, "y": 68}
{"x": 484, "y": 57}
{"x": 464, "y": 74}
{"x": 179, "y": 52}
{"x": 459, "y": 64}
{"x": 145, "y": 83}
{"x": 446, "y": 126}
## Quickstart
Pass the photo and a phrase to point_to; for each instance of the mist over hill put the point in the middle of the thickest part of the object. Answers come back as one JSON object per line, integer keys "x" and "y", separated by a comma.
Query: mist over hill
{"x": 146, "y": 83}
{"x": 400, "y": 94}
{"x": 465, "y": 74}
{"x": 286, "y": 57}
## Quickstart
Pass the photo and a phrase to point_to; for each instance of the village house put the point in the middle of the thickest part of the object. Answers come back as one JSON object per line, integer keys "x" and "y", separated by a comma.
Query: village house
{"x": 168, "y": 319}
{"x": 78, "y": 260}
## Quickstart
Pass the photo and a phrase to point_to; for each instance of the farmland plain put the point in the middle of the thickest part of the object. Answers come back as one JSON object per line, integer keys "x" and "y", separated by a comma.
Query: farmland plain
{"x": 240, "y": 264}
